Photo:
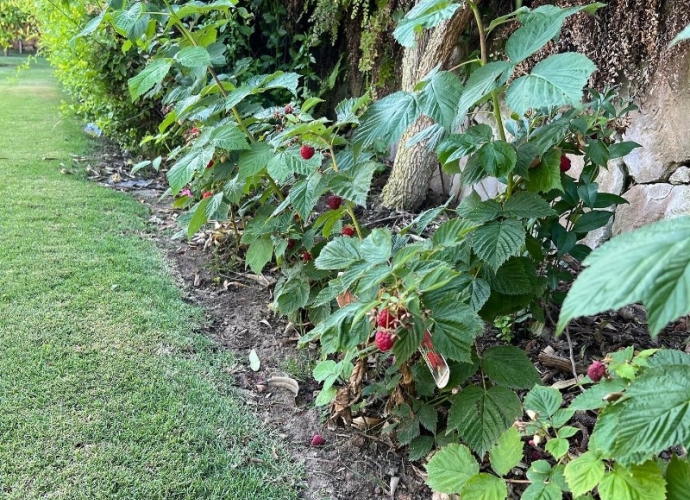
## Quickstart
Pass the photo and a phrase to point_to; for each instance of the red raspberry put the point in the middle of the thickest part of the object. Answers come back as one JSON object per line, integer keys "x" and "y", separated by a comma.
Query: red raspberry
{"x": 384, "y": 340}
{"x": 596, "y": 371}
{"x": 317, "y": 440}
{"x": 207, "y": 194}
{"x": 288, "y": 109}
{"x": 306, "y": 256}
{"x": 194, "y": 131}
{"x": 334, "y": 202}
{"x": 290, "y": 244}
{"x": 210, "y": 164}
{"x": 385, "y": 319}
{"x": 565, "y": 163}
{"x": 348, "y": 231}
{"x": 306, "y": 151}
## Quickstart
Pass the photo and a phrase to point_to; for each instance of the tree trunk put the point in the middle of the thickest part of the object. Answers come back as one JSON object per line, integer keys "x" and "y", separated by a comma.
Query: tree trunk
{"x": 413, "y": 167}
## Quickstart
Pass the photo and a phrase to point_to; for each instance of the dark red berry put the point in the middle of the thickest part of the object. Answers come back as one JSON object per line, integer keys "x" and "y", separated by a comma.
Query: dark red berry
{"x": 306, "y": 151}
{"x": 290, "y": 244}
{"x": 207, "y": 194}
{"x": 210, "y": 164}
{"x": 317, "y": 440}
{"x": 384, "y": 340}
{"x": 306, "y": 256}
{"x": 288, "y": 109}
{"x": 596, "y": 371}
{"x": 385, "y": 319}
{"x": 348, "y": 231}
{"x": 334, "y": 202}
{"x": 565, "y": 163}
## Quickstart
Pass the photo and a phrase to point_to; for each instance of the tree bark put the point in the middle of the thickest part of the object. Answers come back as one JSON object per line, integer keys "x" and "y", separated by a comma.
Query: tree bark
{"x": 413, "y": 167}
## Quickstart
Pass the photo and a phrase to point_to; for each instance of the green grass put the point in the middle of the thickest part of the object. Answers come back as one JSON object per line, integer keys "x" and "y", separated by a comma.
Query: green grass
{"x": 106, "y": 391}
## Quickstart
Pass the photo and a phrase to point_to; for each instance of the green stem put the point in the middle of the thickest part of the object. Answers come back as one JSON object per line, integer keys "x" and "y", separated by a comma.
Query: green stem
{"x": 354, "y": 219}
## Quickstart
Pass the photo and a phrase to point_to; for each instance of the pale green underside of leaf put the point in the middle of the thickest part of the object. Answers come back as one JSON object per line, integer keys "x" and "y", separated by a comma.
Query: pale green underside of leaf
{"x": 387, "y": 119}
{"x": 426, "y": 14}
{"x": 151, "y": 75}
{"x": 649, "y": 265}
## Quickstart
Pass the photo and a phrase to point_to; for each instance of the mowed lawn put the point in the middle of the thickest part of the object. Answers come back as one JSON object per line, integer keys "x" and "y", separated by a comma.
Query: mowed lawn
{"x": 106, "y": 391}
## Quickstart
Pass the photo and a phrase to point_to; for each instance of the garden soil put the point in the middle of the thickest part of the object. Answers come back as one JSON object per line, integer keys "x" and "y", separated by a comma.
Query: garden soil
{"x": 353, "y": 462}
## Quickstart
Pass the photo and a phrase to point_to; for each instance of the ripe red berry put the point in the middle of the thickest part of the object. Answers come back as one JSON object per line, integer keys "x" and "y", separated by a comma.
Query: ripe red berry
{"x": 565, "y": 163}
{"x": 384, "y": 340}
{"x": 348, "y": 231}
{"x": 194, "y": 131}
{"x": 207, "y": 194}
{"x": 334, "y": 202}
{"x": 306, "y": 151}
{"x": 288, "y": 109}
{"x": 317, "y": 440}
{"x": 290, "y": 243}
{"x": 306, "y": 256}
{"x": 385, "y": 319}
{"x": 210, "y": 164}
{"x": 596, "y": 371}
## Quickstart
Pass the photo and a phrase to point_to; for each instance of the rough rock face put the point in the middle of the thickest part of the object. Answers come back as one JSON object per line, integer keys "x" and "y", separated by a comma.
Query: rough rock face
{"x": 650, "y": 203}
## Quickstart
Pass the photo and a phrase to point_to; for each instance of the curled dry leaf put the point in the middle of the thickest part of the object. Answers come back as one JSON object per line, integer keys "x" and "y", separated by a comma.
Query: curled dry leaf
{"x": 284, "y": 383}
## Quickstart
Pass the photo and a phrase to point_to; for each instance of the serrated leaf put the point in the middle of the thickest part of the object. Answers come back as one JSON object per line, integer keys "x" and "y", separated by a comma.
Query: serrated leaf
{"x": 584, "y": 473}
{"x": 515, "y": 277}
{"x": 420, "y": 447}
{"x": 624, "y": 148}
{"x": 484, "y": 487}
{"x": 339, "y": 253}
{"x": 281, "y": 80}
{"x": 387, "y": 119}
{"x": 428, "y": 417}
{"x": 459, "y": 145}
{"x": 509, "y": 366}
{"x": 678, "y": 479}
{"x": 543, "y": 400}
{"x": 507, "y": 452}
{"x": 255, "y": 159}
{"x": 376, "y": 248}
{"x": 254, "y": 361}
{"x": 151, "y": 75}
{"x": 527, "y": 205}
{"x": 439, "y": 97}
{"x": 480, "y": 292}
{"x": 426, "y": 14}
{"x": 498, "y": 158}
{"x": 542, "y": 491}
{"x": 450, "y": 468}
{"x": 455, "y": 327}
{"x": 452, "y": 232}
{"x": 593, "y": 397}
{"x": 193, "y": 57}
{"x": 496, "y": 242}
{"x": 354, "y": 185}
{"x": 556, "y": 81}
{"x": 650, "y": 265}
{"x": 259, "y": 254}
{"x": 407, "y": 344}
{"x": 293, "y": 297}
{"x": 547, "y": 175}
{"x": 482, "y": 416}
{"x": 199, "y": 217}
{"x": 633, "y": 483}
{"x": 557, "y": 447}
{"x": 591, "y": 220}
{"x": 124, "y": 20}
{"x": 183, "y": 171}
{"x": 482, "y": 81}
{"x": 229, "y": 136}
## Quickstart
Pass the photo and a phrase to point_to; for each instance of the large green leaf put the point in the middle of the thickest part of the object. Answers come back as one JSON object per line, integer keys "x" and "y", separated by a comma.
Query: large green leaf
{"x": 439, "y": 97}
{"x": 426, "y": 14}
{"x": 496, "y": 242}
{"x": 481, "y": 416}
{"x": 455, "y": 327}
{"x": 649, "y": 265}
{"x": 507, "y": 452}
{"x": 547, "y": 175}
{"x": 678, "y": 479}
{"x": 482, "y": 81}
{"x": 452, "y": 232}
{"x": 634, "y": 483}
{"x": 193, "y": 57}
{"x": 387, "y": 119}
{"x": 450, "y": 468}
{"x": 509, "y": 366}
{"x": 255, "y": 159}
{"x": 556, "y": 81}
{"x": 229, "y": 136}
{"x": 498, "y": 158}
{"x": 293, "y": 296}
{"x": 125, "y": 20}
{"x": 484, "y": 487}
{"x": 259, "y": 254}
{"x": 584, "y": 473}
{"x": 376, "y": 248}
{"x": 183, "y": 171}
{"x": 543, "y": 400}
{"x": 593, "y": 397}
{"x": 527, "y": 205}
{"x": 354, "y": 185}
{"x": 542, "y": 491}
{"x": 151, "y": 75}
{"x": 458, "y": 145}
{"x": 656, "y": 413}
{"x": 591, "y": 220}
{"x": 339, "y": 253}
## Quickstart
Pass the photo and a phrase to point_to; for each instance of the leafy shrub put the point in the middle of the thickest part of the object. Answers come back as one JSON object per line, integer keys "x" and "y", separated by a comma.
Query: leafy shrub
{"x": 15, "y": 23}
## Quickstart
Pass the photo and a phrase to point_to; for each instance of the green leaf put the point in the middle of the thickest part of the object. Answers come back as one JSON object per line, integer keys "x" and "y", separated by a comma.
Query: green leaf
{"x": 387, "y": 119}
{"x": 452, "y": 232}
{"x": 556, "y": 81}
{"x": 484, "y": 487}
{"x": 598, "y": 152}
{"x": 407, "y": 344}
{"x": 509, "y": 366}
{"x": 591, "y": 220}
{"x": 326, "y": 371}
{"x": 649, "y": 265}
{"x": 281, "y": 80}
{"x": 527, "y": 205}
{"x": 496, "y": 242}
{"x": 125, "y": 20}
{"x": 507, "y": 452}
{"x": 259, "y": 254}
{"x": 199, "y": 218}
{"x": 547, "y": 175}
{"x": 455, "y": 327}
{"x": 426, "y": 14}
{"x": 293, "y": 297}
{"x": 428, "y": 417}
{"x": 459, "y": 145}
{"x": 152, "y": 75}
{"x": 620, "y": 149}
{"x": 377, "y": 247}
{"x": 678, "y": 479}
{"x": 254, "y": 160}
{"x": 655, "y": 415}
{"x": 230, "y": 137}
{"x": 557, "y": 447}
{"x": 183, "y": 171}
{"x": 481, "y": 416}
{"x": 584, "y": 473}
{"x": 683, "y": 35}
{"x": 593, "y": 398}
{"x": 633, "y": 483}
{"x": 482, "y": 81}
{"x": 354, "y": 185}
{"x": 543, "y": 400}
{"x": 339, "y": 253}
{"x": 516, "y": 277}
{"x": 450, "y": 468}
{"x": 439, "y": 97}
{"x": 480, "y": 292}
{"x": 542, "y": 491}
{"x": 420, "y": 447}
{"x": 498, "y": 158}
{"x": 193, "y": 57}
